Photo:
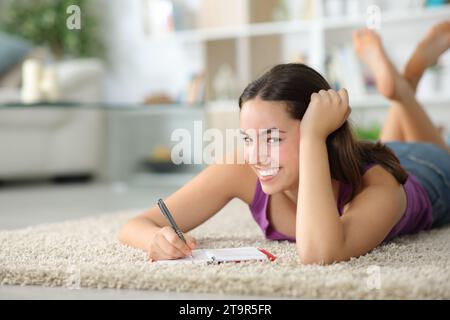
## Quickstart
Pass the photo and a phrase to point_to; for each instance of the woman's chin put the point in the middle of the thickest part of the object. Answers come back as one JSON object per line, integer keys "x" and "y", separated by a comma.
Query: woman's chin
{"x": 271, "y": 187}
{"x": 267, "y": 190}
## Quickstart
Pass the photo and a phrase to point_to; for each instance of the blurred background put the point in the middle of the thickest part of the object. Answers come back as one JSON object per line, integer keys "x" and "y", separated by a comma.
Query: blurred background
{"x": 91, "y": 90}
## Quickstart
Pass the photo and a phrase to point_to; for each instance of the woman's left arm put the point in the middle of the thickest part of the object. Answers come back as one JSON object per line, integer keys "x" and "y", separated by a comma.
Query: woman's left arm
{"x": 319, "y": 230}
{"x": 322, "y": 235}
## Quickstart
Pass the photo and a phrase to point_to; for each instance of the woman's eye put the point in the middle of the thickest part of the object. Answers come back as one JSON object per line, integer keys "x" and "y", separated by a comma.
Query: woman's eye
{"x": 247, "y": 139}
{"x": 273, "y": 140}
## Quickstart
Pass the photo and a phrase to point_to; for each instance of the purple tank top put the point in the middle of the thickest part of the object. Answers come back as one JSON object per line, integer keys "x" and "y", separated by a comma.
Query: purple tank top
{"x": 417, "y": 215}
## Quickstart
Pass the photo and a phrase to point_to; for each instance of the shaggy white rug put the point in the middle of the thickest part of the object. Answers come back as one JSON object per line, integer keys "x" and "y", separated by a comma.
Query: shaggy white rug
{"x": 86, "y": 253}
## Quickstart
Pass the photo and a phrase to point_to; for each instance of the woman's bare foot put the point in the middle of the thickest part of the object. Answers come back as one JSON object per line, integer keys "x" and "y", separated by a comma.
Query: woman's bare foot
{"x": 436, "y": 42}
{"x": 370, "y": 50}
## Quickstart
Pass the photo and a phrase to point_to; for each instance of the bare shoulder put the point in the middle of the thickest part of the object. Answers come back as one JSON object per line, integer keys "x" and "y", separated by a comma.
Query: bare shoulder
{"x": 377, "y": 175}
{"x": 373, "y": 212}
{"x": 378, "y": 183}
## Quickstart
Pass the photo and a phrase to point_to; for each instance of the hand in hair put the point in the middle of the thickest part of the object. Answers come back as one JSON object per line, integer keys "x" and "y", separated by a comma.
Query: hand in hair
{"x": 327, "y": 112}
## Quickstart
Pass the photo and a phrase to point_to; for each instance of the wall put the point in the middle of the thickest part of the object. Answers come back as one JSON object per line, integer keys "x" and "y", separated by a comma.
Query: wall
{"x": 139, "y": 66}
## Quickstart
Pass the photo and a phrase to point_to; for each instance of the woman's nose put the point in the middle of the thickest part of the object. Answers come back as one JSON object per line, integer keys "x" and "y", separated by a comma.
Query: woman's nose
{"x": 258, "y": 155}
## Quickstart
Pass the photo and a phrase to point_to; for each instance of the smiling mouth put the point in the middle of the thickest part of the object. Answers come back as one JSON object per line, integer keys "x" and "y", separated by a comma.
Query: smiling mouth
{"x": 267, "y": 173}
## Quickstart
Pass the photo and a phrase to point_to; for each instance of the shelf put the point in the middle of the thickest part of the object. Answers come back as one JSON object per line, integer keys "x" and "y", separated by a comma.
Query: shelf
{"x": 138, "y": 110}
{"x": 356, "y": 102}
{"x": 222, "y": 106}
{"x": 299, "y": 26}
{"x": 389, "y": 18}
{"x": 437, "y": 101}
{"x": 378, "y": 101}
{"x": 118, "y": 107}
{"x": 253, "y": 30}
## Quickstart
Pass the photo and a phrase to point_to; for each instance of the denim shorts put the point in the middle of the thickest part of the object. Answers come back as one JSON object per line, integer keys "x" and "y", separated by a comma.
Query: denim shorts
{"x": 430, "y": 164}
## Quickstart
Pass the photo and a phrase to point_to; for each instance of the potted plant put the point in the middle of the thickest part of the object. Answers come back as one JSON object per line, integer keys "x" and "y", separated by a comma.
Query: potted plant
{"x": 44, "y": 23}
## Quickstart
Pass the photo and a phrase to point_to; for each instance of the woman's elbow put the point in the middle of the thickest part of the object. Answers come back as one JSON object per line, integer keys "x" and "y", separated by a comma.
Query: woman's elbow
{"x": 308, "y": 258}
{"x": 122, "y": 234}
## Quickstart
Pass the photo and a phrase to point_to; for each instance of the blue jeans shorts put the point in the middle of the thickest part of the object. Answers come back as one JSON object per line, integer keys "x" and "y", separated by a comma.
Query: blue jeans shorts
{"x": 430, "y": 164}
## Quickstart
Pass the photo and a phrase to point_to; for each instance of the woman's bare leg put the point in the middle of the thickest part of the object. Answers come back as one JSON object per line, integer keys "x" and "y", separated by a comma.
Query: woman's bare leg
{"x": 424, "y": 56}
{"x": 369, "y": 49}
{"x": 406, "y": 120}
{"x": 392, "y": 129}
{"x": 427, "y": 52}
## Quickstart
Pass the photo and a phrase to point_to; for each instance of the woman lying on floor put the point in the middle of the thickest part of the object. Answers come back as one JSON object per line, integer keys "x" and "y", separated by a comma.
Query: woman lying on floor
{"x": 334, "y": 196}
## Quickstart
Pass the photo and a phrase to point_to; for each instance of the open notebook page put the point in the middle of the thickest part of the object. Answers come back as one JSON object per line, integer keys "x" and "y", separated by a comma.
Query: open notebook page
{"x": 220, "y": 255}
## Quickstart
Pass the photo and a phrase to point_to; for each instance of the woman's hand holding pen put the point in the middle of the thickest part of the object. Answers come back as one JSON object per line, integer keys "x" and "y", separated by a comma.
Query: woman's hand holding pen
{"x": 166, "y": 245}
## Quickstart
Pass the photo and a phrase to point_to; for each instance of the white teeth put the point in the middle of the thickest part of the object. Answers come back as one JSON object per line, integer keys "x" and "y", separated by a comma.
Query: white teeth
{"x": 269, "y": 172}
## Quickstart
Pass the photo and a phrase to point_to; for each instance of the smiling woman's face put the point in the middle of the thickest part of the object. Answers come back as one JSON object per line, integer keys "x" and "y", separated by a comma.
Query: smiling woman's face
{"x": 257, "y": 116}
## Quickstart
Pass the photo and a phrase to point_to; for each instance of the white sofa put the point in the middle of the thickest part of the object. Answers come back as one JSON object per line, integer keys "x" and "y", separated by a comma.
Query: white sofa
{"x": 45, "y": 142}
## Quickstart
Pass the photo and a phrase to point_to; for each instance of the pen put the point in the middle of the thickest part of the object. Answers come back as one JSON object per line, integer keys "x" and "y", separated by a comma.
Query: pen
{"x": 165, "y": 211}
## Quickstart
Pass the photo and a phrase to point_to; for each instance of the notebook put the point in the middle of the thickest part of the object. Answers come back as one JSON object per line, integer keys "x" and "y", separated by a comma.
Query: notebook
{"x": 209, "y": 256}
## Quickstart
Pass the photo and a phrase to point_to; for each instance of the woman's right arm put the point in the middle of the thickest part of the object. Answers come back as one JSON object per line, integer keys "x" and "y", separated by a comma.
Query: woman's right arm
{"x": 190, "y": 206}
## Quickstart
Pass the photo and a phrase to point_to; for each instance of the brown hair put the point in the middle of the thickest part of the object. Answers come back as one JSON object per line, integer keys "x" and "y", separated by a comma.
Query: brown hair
{"x": 294, "y": 83}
